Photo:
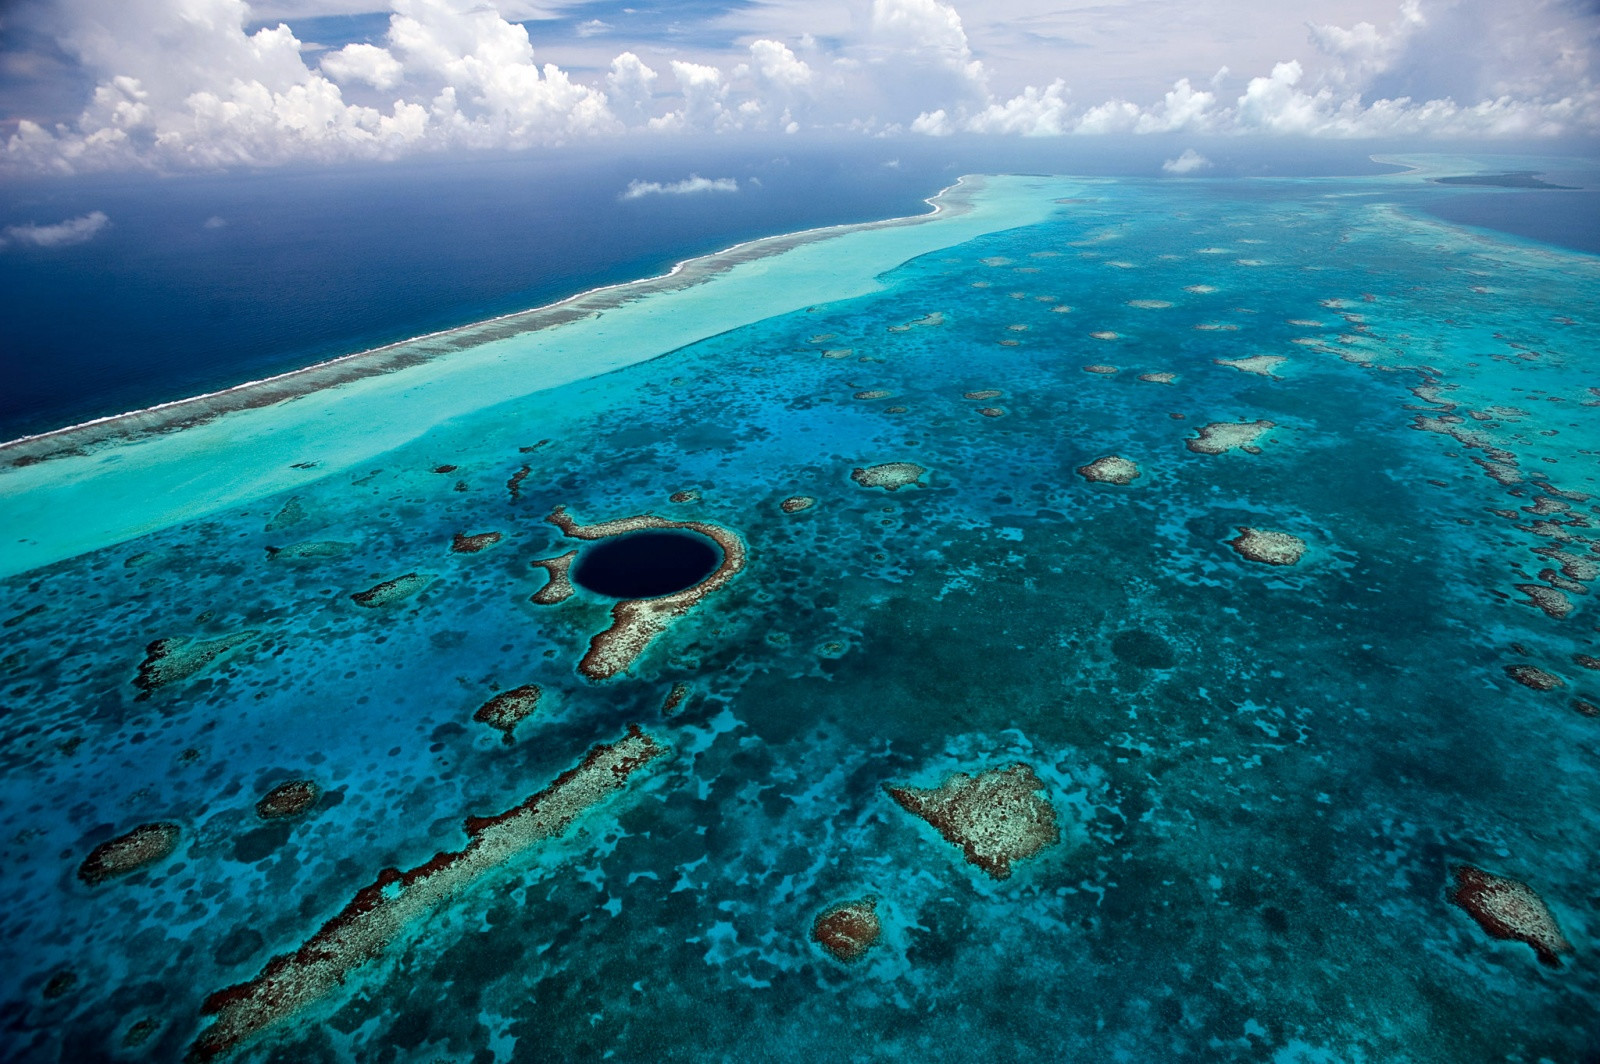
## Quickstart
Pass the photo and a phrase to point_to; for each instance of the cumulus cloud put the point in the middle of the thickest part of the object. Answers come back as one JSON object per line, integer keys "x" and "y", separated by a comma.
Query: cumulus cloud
{"x": 692, "y": 184}
{"x": 183, "y": 84}
{"x": 1187, "y": 163}
{"x": 79, "y": 230}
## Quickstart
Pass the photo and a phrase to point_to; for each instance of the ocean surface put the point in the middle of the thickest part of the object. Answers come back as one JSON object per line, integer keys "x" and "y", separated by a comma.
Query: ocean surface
{"x": 1253, "y": 518}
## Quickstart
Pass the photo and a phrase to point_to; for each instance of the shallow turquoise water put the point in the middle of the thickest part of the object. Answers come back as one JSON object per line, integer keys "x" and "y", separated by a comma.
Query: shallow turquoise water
{"x": 1263, "y": 774}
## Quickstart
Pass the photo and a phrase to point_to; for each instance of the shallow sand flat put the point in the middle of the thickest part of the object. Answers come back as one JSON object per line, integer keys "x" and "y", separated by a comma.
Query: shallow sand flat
{"x": 74, "y": 503}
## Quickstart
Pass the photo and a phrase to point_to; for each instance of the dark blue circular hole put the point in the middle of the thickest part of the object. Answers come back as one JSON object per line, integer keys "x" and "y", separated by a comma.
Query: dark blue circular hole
{"x": 646, "y": 564}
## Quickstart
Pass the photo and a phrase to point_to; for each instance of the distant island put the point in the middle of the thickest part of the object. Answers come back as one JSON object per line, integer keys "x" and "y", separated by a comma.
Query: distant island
{"x": 1511, "y": 179}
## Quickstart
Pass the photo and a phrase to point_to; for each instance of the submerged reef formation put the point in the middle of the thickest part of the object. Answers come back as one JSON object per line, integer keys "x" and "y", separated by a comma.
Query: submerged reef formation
{"x": 983, "y": 393}
{"x": 288, "y": 799}
{"x": 1260, "y": 365}
{"x": 1222, "y": 436}
{"x": 310, "y": 551}
{"x": 465, "y": 544}
{"x": 179, "y": 657}
{"x": 381, "y": 912}
{"x": 392, "y": 591}
{"x": 292, "y": 513}
{"x": 559, "y": 587}
{"x": 1158, "y": 378}
{"x": 1112, "y": 469}
{"x": 635, "y": 622}
{"x": 996, "y": 817}
{"x": 848, "y": 930}
{"x": 1268, "y": 547}
{"x": 1511, "y": 911}
{"x": 890, "y": 476}
{"x": 144, "y": 845}
{"x": 936, "y": 318}
{"x": 1534, "y": 677}
{"x": 795, "y": 503}
{"x": 506, "y": 710}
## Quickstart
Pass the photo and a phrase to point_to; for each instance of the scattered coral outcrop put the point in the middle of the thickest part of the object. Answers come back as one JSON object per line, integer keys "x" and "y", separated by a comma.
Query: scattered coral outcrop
{"x": 997, "y": 817}
{"x": 507, "y": 709}
{"x": 1534, "y": 677}
{"x": 983, "y": 393}
{"x": 848, "y": 930}
{"x": 890, "y": 476}
{"x": 1112, "y": 469}
{"x": 1511, "y": 911}
{"x": 179, "y": 657}
{"x": 795, "y": 503}
{"x": 381, "y": 912}
{"x": 559, "y": 587}
{"x": 463, "y": 543}
{"x": 288, "y": 799}
{"x": 1268, "y": 547}
{"x": 1223, "y": 436}
{"x": 1260, "y": 365}
{"x": 391, "y": 591}
{"x": 139, "y": 848}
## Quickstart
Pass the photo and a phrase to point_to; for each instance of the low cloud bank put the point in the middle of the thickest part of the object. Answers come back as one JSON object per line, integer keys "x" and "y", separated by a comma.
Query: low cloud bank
{"x": 1187, "y": 163}
{"x": 688, "y": 186}
{"x": 78, "y": 230}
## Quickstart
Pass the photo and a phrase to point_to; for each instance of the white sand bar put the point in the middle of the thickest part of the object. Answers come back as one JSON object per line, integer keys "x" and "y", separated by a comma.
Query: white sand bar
{"x": 94, "y": 485}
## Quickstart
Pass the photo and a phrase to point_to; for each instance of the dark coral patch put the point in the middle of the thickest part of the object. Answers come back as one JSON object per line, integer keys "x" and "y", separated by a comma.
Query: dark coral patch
{"x": 849, "y": 930}
{"x": 472, "y": 544}
{"x": 506, "y": 710}
{"x": 179, "y": 657}
{"x": 391, "y": 591}
{"x": 1511, "y": 911}
{"x": 996, "y": 818}
{"x": 1534, "y": 677}
{"x": 144, "y": 845}
{"x": 288, "y": 799}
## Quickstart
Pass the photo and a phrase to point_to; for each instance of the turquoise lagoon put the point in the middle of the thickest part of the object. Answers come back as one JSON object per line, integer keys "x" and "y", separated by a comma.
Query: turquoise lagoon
{"x": 1263, "y": 776}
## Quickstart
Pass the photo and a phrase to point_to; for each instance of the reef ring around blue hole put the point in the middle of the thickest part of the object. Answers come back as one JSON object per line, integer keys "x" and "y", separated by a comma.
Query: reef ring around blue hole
{"x": 648, "y": 564}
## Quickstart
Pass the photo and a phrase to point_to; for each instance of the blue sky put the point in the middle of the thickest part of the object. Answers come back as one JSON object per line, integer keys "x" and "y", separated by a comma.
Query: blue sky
{"x": 170, "y": 85}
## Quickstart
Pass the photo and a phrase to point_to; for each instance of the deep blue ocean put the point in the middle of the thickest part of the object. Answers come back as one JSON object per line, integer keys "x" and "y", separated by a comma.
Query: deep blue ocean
{"x": 202, "y": 282}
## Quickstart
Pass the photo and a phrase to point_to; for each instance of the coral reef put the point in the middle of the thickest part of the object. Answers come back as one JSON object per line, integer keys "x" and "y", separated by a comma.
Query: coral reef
{"x": 559, "y": 587}
{"x": 179, "y": 657}
{"x": 635, "y": 622}
{"x": 472, "y": 544}
{"x": 1551, "y": 600}
{"x": 674, "y": 701}
{"x": 506, "y": 710}
{"x": 873, "y": 393}
{"x": 982, "y": 394}
{"x": 311, "y": 551}
{"x": 392, "y": 591}
{"x": 144, "y": 845}
{"x": 1158, "y": 378}
{"x": 848, "y": 930}
{"x": 292, "y": 513}
{"x": 1268, "y": 547}
{"x": 795, "y": 503}
{"x": 1222, "y": 436}
{"x": 381, "y": 912}
{"x": 288, "y": 799}
{"x": 991, "y": 411}
{"x": 1112, "y": 469}
{"x": 891, "y": 476}
{"x": 1534, "y": 677}
{"x": 514, "y": 485}
{"x": 936, "y": 318}
{"x": 1511, "y": 911}
{"x": 996, "y": 818}
{"x": 1261, "y": 365}
{"x": 688, "y": 495}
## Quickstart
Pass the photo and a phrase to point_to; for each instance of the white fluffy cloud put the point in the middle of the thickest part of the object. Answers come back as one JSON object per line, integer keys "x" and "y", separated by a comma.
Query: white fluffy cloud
{"x": 1187, "y": 163}
{"x": 688, "y": 186}
{"x": 78, "y": 230}
{"x": 182, "y": 84}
